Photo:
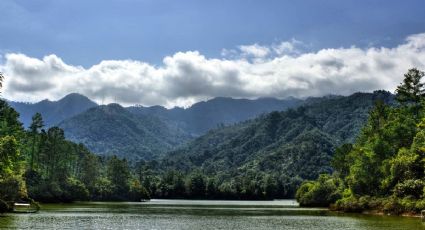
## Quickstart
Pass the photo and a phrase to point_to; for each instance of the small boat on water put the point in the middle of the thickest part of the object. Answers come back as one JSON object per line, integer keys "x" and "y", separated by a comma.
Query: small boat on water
{"x": 25, "y": 208}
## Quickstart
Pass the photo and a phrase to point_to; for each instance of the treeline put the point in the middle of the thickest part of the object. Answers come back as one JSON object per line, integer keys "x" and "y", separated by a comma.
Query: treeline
{"x": 173, "y": 184}
{"x": 384, "y": 169}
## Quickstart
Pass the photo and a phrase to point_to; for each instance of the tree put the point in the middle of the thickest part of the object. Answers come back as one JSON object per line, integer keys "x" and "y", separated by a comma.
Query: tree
{"x": 340, "y": 161}
{"x": 36, "y": 124}
{"x": 9, "y": 156}
{"x": 12, "y": 186}
{"x": 411, "y": 90}
{"x": 119, "y": 175}
{"x": 197, "y": 185}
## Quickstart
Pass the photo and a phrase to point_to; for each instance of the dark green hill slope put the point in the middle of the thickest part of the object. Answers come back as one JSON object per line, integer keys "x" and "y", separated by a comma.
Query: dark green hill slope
{"x": 289, "y": 146}
{"x": 112, "y": 129}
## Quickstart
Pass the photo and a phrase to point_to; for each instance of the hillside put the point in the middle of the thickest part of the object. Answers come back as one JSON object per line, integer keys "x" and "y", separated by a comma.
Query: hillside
{"x": 288, "y": 146}
{"x": 53, "y": 112}
{"x": 383, "y": 170}
{"x": 206, "y": 115}
{"x": 112, "y": 129}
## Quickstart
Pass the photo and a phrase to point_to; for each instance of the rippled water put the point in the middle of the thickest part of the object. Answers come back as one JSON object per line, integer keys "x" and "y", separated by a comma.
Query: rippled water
{"x": 204, "y": 215}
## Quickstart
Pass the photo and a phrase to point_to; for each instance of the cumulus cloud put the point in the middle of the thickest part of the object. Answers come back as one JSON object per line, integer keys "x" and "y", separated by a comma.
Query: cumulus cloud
{"x": 288, "y": 47}
{"x": 187, "y": 77}
{"x": 254, "y": 50}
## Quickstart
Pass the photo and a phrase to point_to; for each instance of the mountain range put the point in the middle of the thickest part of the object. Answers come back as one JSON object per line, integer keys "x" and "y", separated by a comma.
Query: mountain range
{"x": 53, "y": 112}
{"x": 139, "y": 132}
{"x": 289, "y": 146}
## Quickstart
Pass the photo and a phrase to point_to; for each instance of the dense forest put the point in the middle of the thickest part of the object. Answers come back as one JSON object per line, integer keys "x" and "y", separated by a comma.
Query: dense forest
{"x": 113, "y": 130}
{"x": 383, "y": 169}
{"x": 264, "y": 158}
{"x": 38, "y": 164}
{"x": 139, "y": 132}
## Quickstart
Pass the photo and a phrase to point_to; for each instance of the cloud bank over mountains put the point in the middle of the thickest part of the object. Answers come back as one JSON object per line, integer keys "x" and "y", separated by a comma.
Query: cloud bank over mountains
{"x": 250, "y": 71}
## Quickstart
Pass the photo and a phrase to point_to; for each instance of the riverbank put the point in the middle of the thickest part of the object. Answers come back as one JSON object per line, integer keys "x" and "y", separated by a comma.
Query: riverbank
{"x": 381, "y": 213}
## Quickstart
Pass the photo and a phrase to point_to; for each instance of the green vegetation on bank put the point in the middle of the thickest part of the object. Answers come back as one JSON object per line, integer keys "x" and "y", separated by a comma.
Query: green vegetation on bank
{"x": 384, "y": 169}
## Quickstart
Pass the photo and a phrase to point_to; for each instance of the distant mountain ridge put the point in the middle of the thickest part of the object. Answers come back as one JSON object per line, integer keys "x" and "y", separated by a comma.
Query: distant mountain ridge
{"x": 143, "y": 132}
{"x": 53, "y": 112}
{"x": 205, "y": 115}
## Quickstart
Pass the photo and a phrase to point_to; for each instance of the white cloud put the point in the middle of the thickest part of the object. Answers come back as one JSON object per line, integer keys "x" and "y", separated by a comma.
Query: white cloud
{"x": 288, "y": 47}
{"x": 254, "y": 50}
{"x": 188, "y": 77}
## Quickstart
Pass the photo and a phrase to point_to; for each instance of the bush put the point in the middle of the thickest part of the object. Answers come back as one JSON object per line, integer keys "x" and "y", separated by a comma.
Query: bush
{"x": 392, "y": 206}
{"x": 409, "y": 188}
{"x": 408, "y": 204}
{"x": 350, "y": 204}
{"x": 12, "y": 188}
{"x": 321, "y": 193}
{"x": 74, "y": 189}
{"x": 138, "y": 192}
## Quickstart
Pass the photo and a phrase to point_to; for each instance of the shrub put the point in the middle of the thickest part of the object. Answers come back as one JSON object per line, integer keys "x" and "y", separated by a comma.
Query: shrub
{"x": 409, "y": 188}
{"x": 349, "y": 204}
{"x": 392, "y": 206}
{"x": 74, "y": 189}
{"x": 321, "y": 193}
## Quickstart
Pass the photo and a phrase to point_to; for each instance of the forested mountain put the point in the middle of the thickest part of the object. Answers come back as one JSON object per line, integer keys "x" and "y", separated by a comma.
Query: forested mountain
{"x": 53, "y": 112}
{"x": 203, "y": 116}
{"x": 143, "y": 132}
{"x": 113, "y": 130}
{"x": 383, "y": 170}
{"x": 275, "y": 151}
{"x": 195, "y": 120}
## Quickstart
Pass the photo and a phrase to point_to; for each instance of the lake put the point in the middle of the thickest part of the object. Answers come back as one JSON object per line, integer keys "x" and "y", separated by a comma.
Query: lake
{"x": 204, "y": 215}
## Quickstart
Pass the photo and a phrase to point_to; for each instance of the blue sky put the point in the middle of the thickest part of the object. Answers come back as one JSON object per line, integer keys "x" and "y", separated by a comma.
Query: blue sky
{"x": 176, "y": 53}
{"x": 85, "y": 32}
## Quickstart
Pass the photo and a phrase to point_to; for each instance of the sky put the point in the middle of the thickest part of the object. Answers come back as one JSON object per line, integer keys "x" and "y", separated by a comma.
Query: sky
{"x": 175, "y": 53}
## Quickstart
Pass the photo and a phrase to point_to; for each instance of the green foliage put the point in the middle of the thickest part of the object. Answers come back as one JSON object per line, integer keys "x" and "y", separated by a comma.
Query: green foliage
{"x": 138, "y": 192}
{"x": 112, "y": 130}
{"x": 411, "y": 89}
{"x": 413, "y": 188}
{"x": 321, "y": 193}
{"x": 270, "y": 156}
{"x": 45, "y": 166}
{"x": 75, "y": 190}
{"x": 340, "y": 161}
{"x": 384, "y": 168}
{"x": 9, "y": 156}
{"x": 118, "y": 173}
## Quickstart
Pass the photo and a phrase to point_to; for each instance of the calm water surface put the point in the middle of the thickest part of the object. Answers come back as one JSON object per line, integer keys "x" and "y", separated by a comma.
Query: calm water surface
{"x": 204, "y": 215}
